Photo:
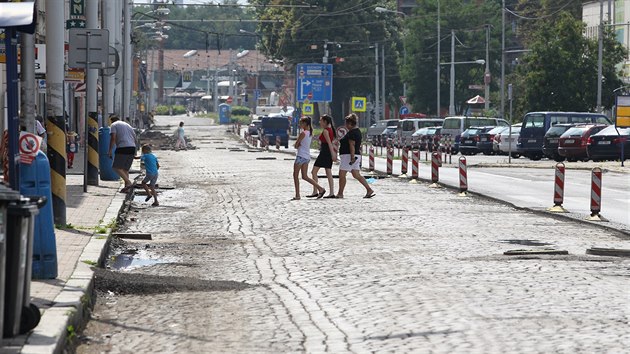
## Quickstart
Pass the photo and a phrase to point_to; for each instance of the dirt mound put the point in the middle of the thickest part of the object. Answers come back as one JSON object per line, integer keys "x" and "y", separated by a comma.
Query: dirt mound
{"x": 158, "y": 140}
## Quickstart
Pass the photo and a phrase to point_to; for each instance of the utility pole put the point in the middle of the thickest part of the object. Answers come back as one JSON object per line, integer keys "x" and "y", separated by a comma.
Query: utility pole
{"x": 56, "y": 124}
{"x": 486, "y": 76}
{"x": 376, "y": 85}
{"x": 27, "y": 82}
{"x": 91, "y": 95}
{"x": 383, "y": 101}
{"x": 439, "y": 40}
{"x": 119, "y": 78}
{"x": 127, "y": 62}
{"x": 502, "y": 111}
{"x": 600, "y": 55}
{"x": 451, "y": 103}
{"x": 109, "y": 82}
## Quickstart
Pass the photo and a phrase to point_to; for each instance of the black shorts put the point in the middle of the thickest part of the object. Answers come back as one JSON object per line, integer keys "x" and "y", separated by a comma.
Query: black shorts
{"x": 123, "y": 158}
{"x": 324, "y": 159}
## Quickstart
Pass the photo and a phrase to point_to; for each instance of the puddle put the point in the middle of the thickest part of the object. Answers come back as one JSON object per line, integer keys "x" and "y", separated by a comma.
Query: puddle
{"x": 133, "y": 260}
{"x": 526, "y": 242}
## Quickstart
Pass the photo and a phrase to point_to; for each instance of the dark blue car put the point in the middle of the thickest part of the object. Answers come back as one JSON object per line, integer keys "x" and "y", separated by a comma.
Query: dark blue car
{"x": 273, "y": 127}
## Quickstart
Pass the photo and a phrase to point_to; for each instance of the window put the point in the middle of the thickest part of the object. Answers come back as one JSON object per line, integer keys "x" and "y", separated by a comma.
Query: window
{"x": 408, "y": 126}
{"x": 581, "y": 119}
{"x": 534, "y": 121}
{"x": 602, "y": 120}
{"x": 553, "y": 120}
{"x": 452, "y": 123}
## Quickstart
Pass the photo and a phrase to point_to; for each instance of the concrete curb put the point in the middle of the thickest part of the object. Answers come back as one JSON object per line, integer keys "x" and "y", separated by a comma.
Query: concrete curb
{"x": 72, "y": 303}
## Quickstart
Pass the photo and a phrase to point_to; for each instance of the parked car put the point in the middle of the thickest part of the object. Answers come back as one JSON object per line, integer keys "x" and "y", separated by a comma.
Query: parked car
{"x": 608, "y": 143}
{"x": 470, "y": 138}
{"x": 572, "y": 144}
{"x": 430, "y": 135}
{"x": 502, "y": 141}
{"x": 486, "y": 139}
{"x": 455, "y": 126}
{"x": 536, "y": 124}
{"x": 551, "y": 139}
{"x": 375, "y": 131}
{"x": 389, "y": 135}
{"x": 254, "y": 126}
{"x": 273, "y": 127}
{"x": 407, "y": 127}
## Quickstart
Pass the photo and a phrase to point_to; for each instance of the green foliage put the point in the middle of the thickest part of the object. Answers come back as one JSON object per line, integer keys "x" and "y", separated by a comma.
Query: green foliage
{"x": 240, "y": 111}
{"x": 560, "y": 72}
{"x": 90, "y": 262}
{"x": 165, "y": 110}
{"x": 244, "y": 120}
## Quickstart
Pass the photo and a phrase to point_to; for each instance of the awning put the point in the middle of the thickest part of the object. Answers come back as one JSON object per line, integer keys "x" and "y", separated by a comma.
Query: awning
{"x": 476, "y": 100}
{"x": 198, "y": 94}
{"x": 179, "y": 94}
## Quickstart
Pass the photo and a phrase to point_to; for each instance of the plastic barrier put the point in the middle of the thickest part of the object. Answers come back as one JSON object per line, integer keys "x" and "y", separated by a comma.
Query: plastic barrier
{"x": 35, "y": 181}
{"x": 371, "y": 159}
{"x": 558, "y": 190}
{"x": 463, "y": 177}
{"x": 105, "y": 162}
{"x": 596, "y": 195}
{"x": 277, "y": 142}
{"x": 435, "y": 169}
{"x": 390, "y": 161}
{"x": 415, "y": 162}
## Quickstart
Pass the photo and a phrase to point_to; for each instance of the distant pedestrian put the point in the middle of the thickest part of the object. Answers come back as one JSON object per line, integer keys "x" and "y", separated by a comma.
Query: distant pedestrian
{"x": 41, "y": 132}
{"x": 124, "y": 137}
{"x": 350, "y": 157}
{"x": 71, "y": 147}
{"x": 327, "y": 155}
{"x": 303, "y": 146}
{"x": 151, "y": 167}
{"x": 181, "y": 138}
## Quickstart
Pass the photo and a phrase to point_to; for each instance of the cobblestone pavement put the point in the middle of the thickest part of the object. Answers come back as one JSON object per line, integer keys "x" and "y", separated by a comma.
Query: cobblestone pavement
{"x": 414, "y": 269}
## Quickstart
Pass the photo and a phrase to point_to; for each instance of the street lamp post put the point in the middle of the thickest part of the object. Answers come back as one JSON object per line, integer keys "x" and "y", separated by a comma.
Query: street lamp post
{"x": 404, "y": 15}
{"x": 451, "y": 108}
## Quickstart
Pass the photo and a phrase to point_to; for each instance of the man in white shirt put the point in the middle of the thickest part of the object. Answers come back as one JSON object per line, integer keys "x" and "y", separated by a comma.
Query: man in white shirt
{"x": 124, "y": 137}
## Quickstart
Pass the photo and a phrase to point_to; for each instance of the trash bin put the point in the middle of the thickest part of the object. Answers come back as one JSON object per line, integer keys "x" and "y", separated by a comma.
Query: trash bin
{"x": 19, "y": 315}
{"x": 104, "y": 161}
{"x": 7, "y": 196}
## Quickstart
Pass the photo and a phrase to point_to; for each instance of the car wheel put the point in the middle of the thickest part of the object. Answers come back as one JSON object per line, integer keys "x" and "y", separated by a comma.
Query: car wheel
{"x": 515, "y": 155}
{"x": 536, "y": 157}
{"x": 488, "y": 153}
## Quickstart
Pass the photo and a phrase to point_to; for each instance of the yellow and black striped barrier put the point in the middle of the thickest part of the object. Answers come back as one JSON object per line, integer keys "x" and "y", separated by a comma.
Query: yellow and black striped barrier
{"x": 92, "y": 166}
{"x": 55, "y": 126}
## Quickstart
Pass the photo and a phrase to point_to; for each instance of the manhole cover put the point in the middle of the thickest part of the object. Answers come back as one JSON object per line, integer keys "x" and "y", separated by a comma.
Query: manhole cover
{"x": 534, "y": 251}
{"x": 616, "y": 252}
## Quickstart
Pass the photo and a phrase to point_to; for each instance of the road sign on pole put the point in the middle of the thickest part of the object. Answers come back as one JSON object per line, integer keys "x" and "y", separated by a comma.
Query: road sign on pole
{"x": 404, "y": 110}
{"x": 307, "y": 108}
{"x": 314, "y": 82}
{"x": 358, "y": 104}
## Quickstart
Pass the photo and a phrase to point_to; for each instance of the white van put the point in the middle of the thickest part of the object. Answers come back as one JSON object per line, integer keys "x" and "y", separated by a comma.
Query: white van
{"x": 455, "y": 126}
{"x": 407, "y": 127}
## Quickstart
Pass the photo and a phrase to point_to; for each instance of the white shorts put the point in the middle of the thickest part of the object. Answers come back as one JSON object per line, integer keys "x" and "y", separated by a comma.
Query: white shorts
{"x": 344, "y": 162}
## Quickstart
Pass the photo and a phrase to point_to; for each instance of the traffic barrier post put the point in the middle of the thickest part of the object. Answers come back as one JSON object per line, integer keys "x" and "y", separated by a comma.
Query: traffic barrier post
{"x": 415, "y": 161}
{"x": 558, "y": 190}
{"x": 463, "y": 177}
{"x": 404, "y": 162}
{"x": 596, "y": 195}
{"x": 390, "y": 161}
{"x": 371, "y": 160}
{"x": 277, "y": 142}
{"x": 435, "y": 169}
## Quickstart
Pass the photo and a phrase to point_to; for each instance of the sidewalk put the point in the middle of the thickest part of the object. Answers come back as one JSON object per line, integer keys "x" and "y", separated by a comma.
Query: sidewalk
{"x": 79, "y": 246}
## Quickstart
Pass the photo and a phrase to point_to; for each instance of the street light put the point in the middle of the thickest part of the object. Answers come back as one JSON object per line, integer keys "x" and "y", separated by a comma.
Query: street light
{"x": 451, "y": 106}
{"x": 404, "y": 15}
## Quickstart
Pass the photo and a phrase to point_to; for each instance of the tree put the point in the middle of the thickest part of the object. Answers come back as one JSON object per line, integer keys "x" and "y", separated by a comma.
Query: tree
{"x": 468, "y": 19}
{"x": 560, "y": 72}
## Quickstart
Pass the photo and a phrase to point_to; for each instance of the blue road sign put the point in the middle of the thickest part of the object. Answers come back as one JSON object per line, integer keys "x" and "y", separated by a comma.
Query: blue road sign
{"x": 256, "y": 93}
{"x": 404, "y": 110}
{"x": 314, "y": 82}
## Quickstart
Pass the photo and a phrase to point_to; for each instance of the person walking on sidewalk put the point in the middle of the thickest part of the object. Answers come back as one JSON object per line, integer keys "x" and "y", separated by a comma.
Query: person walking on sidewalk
{"x": 123, "y": 136}
{"x": 71, "y": 147}
{"x": 151, "y": 167}
{"x": 303, "y": 146}
{"x": 350, "y": 157}
{"x": 181, "y": 139}
{"x": 327, "y": 155}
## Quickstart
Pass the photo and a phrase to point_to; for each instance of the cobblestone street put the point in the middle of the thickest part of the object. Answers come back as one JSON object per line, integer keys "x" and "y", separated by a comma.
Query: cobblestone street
{"x": 414, "y": 269}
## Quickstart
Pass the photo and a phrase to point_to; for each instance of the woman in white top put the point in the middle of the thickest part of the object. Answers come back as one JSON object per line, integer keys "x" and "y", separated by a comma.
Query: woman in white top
{"x": 303, "y": 146}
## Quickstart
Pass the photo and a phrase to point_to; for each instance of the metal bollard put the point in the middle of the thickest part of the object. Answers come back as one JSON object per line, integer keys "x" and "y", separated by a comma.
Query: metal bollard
{"x": 463, "y": 177}
{"x": 372, "y": 159}
{"x": 596, "y": 195}
{"x": 415, "y": 162}
{"x": 405, "y": 162}
{"x": 390, "y": 161}
{"x": 558, "y": 190}
{"x": 435, "y": 169}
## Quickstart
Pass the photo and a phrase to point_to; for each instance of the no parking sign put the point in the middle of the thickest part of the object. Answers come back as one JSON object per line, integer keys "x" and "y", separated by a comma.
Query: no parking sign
{"x": 29, "y": 146}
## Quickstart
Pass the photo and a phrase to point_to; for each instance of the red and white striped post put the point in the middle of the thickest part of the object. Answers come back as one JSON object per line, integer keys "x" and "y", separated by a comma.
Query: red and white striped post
{"x": 435, "y": 169}
{"x": 371, "y": 159}
{"x": 277, "y": 142}
{"x": 390, "y": 161}
{"x": 405, "y": 162}
{"x": 426, "y": 149}
{"x": 463, "y": 177}
{"x": 415, "y": 162}
{"x": 596, "y": 195}
{"x": 449, "y": 149}
{"x": 558, "y": 190}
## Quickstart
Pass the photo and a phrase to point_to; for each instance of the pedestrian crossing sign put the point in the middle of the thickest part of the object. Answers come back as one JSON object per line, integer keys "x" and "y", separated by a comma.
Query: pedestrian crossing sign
{"x": 307, "y": 108}
{"x": 358, "y": 104}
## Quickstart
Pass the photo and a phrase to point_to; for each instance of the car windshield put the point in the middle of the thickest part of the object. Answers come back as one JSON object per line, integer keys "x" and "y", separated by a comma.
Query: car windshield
{"x": 451, "y": 123}
{"x": 497, "y": 130}
{"x": 433, "y": 130}
{"x": 392, "y": 123}
{"x": 556, "y": 131}
{"x": 610, "y": 130}
{"x": 472, "y": 131}
{"x": 575, "y": 131}
{"x": 421, "y": 131}
{"x": 390, "y": 129}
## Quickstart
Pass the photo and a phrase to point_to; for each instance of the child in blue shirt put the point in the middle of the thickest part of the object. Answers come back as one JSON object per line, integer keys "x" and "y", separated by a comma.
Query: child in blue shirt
{"x": 151, "y": 166}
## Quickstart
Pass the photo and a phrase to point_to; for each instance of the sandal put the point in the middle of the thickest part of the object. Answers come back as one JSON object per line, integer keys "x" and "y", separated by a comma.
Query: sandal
{"x": 332, "y": 196}
{"x": 312, "y": 195}
{"x": 294, "y": 198}
{"x": 155, "y": 204}
{"x": 148, "y": 198}
{"x": 367, "y": 196}
{"x": 321, "y": 194}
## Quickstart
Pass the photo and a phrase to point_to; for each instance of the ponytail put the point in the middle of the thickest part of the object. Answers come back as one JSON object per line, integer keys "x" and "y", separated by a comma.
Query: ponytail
{"x": 307, "y": 121}
{"x": 331, "y": 124}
